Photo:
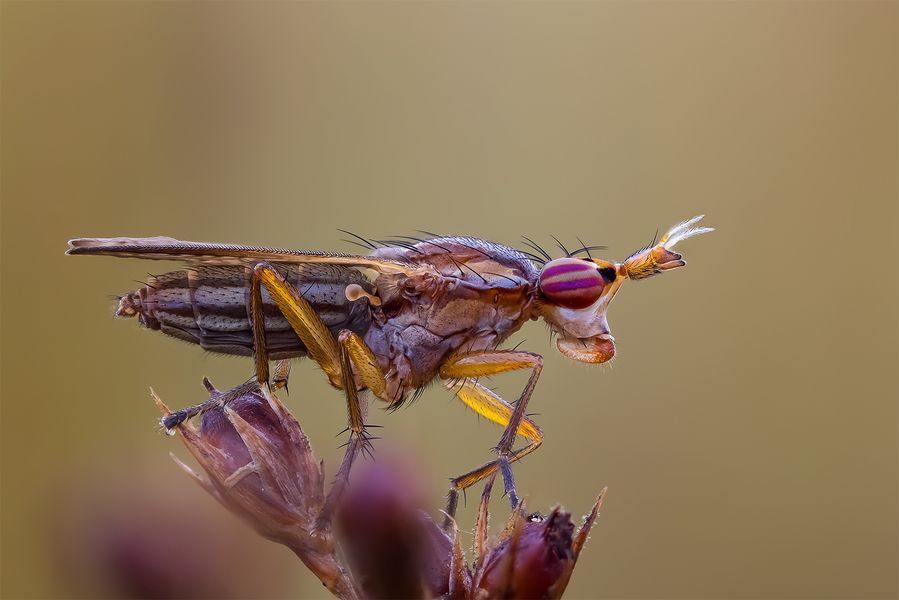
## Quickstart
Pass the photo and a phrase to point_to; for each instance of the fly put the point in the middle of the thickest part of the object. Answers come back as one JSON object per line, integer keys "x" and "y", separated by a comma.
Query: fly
{"x": 410, "y": 312}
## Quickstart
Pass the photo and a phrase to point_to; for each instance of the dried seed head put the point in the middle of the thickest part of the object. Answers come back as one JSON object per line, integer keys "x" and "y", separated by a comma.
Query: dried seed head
{"x": 259, "y": 464}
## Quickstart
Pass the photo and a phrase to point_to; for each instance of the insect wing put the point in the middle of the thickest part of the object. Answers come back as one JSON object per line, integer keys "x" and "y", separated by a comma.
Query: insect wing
{"x": 166, "y": 248}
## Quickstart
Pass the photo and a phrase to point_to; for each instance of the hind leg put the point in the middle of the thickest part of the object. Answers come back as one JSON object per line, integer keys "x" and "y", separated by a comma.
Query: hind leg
{"x": 312, "y": 331}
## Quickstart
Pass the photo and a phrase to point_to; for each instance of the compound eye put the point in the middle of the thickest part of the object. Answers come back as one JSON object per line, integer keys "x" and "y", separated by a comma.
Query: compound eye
{"x": 571, "y": 283}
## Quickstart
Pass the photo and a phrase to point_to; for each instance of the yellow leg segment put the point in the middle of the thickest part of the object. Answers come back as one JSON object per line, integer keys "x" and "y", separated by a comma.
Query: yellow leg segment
{"x": 486, "y": 403}
{"x": 475, "y": 475}
{"x": 364, "y": 362}
{"x": 478, "y": 364}
{"x": 341, "y": 359}
{"x": 309, "y": 327}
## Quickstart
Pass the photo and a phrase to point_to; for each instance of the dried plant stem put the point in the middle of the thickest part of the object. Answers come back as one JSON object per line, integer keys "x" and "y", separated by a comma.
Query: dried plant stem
{"x": 330, "y": 572}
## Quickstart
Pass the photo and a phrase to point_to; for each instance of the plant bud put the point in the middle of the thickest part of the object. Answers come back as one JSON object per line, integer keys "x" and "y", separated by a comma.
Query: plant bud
{"x": 394, "y": 547}
{"x": 531, "y": 560}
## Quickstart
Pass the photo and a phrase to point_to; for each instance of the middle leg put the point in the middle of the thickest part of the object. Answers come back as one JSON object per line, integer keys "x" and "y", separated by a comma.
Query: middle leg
{"x": 345, "y": 360}
{"x": 356, "y": 360}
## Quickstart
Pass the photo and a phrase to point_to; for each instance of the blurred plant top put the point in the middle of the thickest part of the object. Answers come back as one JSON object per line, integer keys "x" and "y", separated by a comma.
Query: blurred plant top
{"x": 376, "y": 538}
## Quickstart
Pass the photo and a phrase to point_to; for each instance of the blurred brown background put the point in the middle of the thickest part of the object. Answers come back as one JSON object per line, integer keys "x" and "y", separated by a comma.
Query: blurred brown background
{"x": 747, "y": 428}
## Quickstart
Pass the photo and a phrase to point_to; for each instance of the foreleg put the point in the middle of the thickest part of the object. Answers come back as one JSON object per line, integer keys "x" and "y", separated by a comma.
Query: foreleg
{"x": 461, "y": 370}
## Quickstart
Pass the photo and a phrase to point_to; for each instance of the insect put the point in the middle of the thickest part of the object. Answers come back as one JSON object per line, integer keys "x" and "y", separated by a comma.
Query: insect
{"x": 388, "y": 323}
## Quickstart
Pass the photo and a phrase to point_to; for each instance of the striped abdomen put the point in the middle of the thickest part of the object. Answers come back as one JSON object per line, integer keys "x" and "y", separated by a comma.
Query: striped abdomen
{"x": 209, "y": 306}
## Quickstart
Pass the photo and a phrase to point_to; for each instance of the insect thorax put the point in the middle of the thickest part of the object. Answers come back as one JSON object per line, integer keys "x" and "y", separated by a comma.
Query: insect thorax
{"x": 475, "y": 296}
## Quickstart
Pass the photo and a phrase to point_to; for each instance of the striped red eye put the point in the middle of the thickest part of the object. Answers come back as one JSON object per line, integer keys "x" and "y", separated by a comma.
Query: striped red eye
{"x": 571, "y": 283}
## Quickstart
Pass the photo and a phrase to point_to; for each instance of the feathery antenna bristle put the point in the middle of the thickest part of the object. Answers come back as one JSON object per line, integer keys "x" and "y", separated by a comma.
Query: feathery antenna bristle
{"x": 683, "y": 231}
